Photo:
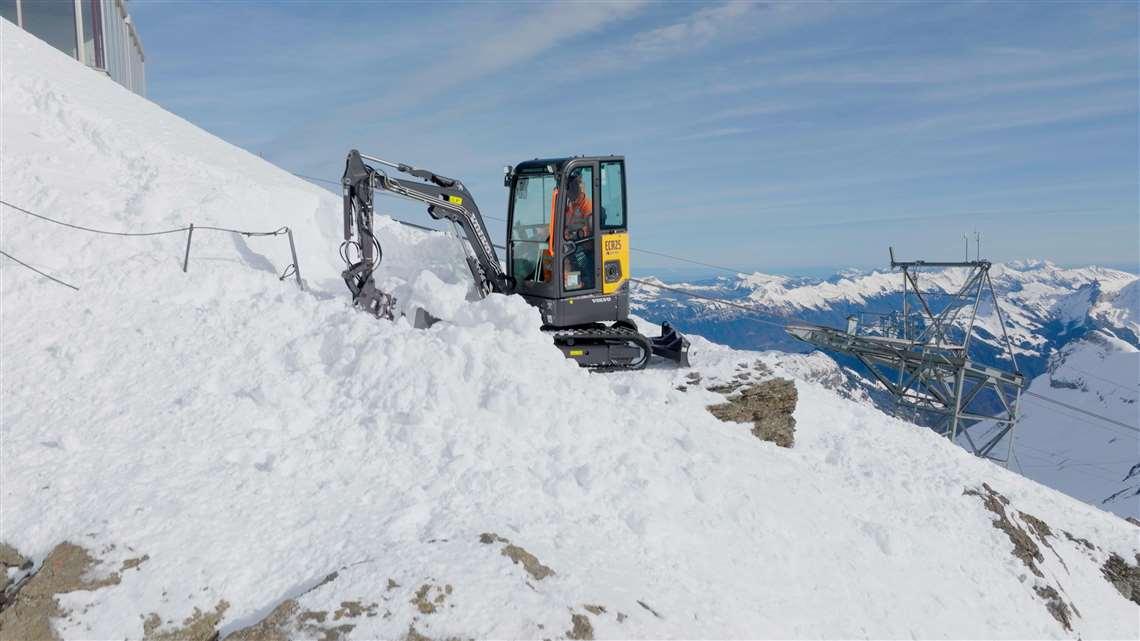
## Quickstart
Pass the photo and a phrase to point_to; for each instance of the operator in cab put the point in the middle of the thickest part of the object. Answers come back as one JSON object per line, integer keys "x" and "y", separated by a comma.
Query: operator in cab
{"x": 577, "y": 227}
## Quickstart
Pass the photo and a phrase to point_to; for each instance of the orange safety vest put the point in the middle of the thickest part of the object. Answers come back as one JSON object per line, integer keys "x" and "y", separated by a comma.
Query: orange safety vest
{"x": 579, "y": 212}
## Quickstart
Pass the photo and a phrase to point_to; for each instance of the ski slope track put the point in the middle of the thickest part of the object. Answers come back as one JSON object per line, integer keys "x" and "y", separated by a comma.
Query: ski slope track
{"x": 236, "y": 452}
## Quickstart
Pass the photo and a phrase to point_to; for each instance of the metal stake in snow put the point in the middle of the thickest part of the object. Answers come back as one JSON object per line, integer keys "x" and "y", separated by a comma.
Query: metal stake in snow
{"x": 922, "y": 356}
{"x": 189, "y": 237}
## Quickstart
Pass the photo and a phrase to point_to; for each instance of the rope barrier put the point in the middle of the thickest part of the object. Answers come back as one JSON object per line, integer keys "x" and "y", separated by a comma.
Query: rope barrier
{"x": 47, "y": 276}
{"x": 92, "y": 229}
{"x": 292, "y": 270}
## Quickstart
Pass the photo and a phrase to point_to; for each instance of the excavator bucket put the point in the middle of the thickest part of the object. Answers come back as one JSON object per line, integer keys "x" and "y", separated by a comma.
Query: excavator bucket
{"x": 671, "y": 345}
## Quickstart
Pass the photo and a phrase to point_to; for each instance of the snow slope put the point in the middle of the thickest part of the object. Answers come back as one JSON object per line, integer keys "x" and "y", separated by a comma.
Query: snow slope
{"x": 250, "y": 439}
{"x": 1087, "y": 458}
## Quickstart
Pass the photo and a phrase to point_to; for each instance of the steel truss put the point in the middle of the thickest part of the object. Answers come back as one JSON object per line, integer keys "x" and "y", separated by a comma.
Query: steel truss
{"x": 922, "y": 357}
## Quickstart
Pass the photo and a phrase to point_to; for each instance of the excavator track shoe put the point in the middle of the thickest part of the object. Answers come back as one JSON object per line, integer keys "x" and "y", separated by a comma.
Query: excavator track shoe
{"x": 605, "y": 349}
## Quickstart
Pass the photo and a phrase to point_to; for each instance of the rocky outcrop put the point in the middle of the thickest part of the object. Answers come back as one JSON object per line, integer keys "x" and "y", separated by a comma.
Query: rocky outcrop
{"x": 28, "y": 612}
{"x": 1124, "y": 577}
{"x": 768, "y": 405}
{"x": 1032, "y": 539}
{"x": 518, "y": 555}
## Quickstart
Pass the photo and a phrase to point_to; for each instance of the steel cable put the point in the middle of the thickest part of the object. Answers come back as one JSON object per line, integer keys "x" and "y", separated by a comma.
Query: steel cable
{"x": 48, "y": 276}
{"x": 92, "y": 229}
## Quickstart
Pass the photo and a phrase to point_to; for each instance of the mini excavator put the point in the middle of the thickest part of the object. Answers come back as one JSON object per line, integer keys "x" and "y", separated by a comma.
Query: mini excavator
{"x": 567, "y": 250}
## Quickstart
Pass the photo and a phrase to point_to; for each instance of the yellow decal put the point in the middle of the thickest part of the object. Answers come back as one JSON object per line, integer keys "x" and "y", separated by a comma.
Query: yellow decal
{"x": 615, "y": 249}
{"x": 577, "y": 352}
{"x": 455, "y": 200}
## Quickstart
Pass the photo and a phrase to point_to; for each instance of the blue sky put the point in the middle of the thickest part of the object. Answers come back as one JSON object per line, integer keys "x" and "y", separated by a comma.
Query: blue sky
{"x": 782, "y": 137}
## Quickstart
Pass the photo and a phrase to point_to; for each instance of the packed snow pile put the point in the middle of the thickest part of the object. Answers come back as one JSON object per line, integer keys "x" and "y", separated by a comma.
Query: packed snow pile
{"x": 220, "y": 452}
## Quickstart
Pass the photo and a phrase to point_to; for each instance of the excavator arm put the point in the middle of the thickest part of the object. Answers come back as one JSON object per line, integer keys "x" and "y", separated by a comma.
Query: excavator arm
{"x": 446, "y": 199}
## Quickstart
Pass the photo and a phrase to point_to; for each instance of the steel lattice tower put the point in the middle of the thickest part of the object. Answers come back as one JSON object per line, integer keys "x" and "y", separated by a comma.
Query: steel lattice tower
{"x": 921, "y": 356}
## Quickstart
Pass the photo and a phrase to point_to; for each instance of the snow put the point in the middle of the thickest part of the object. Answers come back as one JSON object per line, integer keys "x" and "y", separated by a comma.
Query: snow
{"x": 1120, "y": 308}
{"x": 1087, "y": 458}
{"x": 251, "y": 438}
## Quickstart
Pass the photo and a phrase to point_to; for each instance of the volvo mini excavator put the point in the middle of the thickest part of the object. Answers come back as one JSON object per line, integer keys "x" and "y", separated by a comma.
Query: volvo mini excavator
{"x": 567, "y": 250}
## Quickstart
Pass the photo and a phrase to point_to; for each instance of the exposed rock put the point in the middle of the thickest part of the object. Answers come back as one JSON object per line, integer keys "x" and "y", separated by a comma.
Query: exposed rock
{"x": 274, "y": 627}
{"x": 1028, "y": 551}
{"x": 1076, "y": 539}
{"x": 1039, "y": 527}
{"x": 317, "y": 616}
{"x": 352, "y": 609}
{"x": 131, "y": 564}
{"x": 580, "y": 628}
{"x": 1042, "y": 531}
{"x": 199, "y": 626}
{"x": 425, "y": 602}
{"x": 529, "y": 562}
{"x": 726, "y": 388}
{"x": 10, "y": 558}
{"x": 519, "y": 555}
{"x": 596, "y": 610}
{"x": 288, "y": 621}
{"x": 1055, "y": 605}
{"x": 29, "y": 613}
{"x": 1133, "y": 520}
{"x": 1023, "y": 546}
{"x": 768, "y": 405}
{"x": 1125, "y": 578}
{"x": 414, "y": 635}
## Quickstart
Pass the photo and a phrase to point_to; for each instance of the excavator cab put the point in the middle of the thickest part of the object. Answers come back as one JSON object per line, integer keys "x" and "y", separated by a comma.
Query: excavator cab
{"x": 568, "y": 239}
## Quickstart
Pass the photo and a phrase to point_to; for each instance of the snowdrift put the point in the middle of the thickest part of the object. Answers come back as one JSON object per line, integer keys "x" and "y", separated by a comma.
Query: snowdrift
{"x": 237, "y": 455}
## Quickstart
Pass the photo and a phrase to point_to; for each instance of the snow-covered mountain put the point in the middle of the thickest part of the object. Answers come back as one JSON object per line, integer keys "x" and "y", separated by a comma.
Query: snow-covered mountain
{"x": 1046, "y": 306}
{"x": 1086, "y": 457}
{"x": 217, "y": 453}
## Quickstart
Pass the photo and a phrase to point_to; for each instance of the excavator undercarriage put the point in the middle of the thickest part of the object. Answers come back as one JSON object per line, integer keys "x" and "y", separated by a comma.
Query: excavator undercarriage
{"x": 575, "y": 270}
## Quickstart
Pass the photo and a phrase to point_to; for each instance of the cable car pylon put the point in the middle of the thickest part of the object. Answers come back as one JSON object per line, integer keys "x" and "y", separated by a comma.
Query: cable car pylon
{"x": 921, "y": 356}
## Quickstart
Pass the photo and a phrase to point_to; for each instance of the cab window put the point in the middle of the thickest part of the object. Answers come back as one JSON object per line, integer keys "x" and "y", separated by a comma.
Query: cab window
{"x": 613, "y": 196}
{"x": 578, "y": 265}
{"x": 530, "y": 227}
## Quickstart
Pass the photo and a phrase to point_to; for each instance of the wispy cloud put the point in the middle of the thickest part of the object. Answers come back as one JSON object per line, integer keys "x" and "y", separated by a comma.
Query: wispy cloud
{"x": 720, "y": 132}
{"x": 693, "y": 31}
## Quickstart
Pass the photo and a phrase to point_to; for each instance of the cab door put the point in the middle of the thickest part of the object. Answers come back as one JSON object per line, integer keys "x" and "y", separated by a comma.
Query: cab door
{"x": 577, "y": 225}
{"x": 613, "y": 224}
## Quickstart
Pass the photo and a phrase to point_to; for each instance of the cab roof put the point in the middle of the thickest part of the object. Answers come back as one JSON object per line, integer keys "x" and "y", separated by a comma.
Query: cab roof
{"x": 540, "y": 164}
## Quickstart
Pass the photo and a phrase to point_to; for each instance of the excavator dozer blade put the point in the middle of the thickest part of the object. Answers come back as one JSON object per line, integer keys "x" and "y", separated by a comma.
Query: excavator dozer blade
{"x": 671, "y": 345}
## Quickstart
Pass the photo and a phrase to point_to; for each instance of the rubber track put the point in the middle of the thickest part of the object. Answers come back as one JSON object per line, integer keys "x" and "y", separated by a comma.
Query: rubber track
{"x": 600, "y": 336}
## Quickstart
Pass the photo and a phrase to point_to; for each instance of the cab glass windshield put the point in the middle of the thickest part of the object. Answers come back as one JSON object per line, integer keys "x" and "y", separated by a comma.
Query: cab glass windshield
{"x": 530, "y": 227}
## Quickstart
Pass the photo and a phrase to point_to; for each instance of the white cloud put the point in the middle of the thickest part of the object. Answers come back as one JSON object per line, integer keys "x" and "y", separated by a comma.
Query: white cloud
{"x": 696, "y": 30}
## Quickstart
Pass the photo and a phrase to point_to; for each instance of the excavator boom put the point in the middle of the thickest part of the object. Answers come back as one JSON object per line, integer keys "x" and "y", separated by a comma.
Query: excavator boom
{"x": 446, "y": 198}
